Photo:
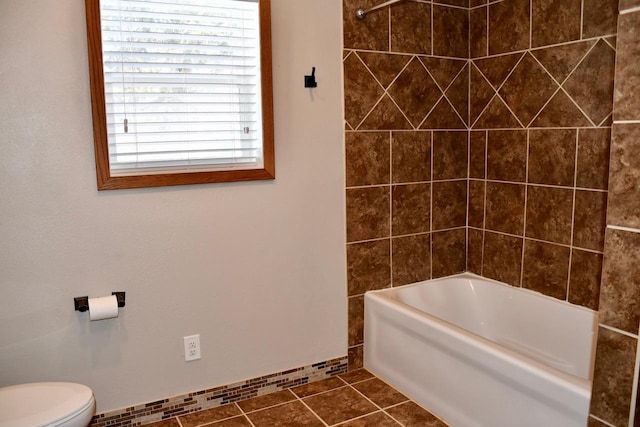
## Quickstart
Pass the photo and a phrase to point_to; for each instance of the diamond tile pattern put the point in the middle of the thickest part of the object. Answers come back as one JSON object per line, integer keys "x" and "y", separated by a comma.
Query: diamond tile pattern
{"x": 385, "y": 91}
{"x": 527, "y": 89}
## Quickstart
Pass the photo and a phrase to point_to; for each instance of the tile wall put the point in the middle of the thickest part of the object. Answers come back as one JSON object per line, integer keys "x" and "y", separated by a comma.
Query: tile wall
{"x": 531, "y": 185}
{"x": 617, "y": 357}
{"x": 541, "y": 97}
{"x": 406, "y": 119}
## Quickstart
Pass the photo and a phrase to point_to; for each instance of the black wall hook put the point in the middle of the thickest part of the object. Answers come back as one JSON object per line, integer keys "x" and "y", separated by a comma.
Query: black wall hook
{"x": 310, "y": 81}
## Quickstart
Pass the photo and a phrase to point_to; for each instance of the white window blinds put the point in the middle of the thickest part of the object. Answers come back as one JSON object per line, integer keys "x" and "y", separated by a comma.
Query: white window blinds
{"x": 182, "y": 85}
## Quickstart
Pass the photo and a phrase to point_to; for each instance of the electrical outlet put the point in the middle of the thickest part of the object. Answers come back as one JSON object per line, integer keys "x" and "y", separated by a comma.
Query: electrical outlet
{"x": 192, "y": 347}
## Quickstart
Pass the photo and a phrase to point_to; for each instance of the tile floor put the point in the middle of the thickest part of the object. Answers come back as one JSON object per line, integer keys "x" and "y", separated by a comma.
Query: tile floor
{"x": 354, "y": 399}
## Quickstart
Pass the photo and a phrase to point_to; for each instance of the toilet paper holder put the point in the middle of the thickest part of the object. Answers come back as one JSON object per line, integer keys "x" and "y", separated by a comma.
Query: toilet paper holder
{"x": 82, "y": 303}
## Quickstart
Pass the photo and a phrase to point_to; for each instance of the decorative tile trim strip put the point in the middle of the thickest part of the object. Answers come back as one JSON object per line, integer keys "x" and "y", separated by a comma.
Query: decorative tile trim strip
{"x": 150, "y": 412}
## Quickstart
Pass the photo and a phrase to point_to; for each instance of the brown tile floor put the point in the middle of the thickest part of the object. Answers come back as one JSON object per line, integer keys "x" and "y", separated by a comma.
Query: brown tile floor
{"x": 354, "y": 399}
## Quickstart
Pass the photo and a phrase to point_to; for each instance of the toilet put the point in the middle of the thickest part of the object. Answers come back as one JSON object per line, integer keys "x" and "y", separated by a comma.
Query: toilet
{"x": 46, "y": 404}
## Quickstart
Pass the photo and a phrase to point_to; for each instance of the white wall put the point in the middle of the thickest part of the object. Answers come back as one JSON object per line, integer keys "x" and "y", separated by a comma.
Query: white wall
{"x": 257, "y": 269}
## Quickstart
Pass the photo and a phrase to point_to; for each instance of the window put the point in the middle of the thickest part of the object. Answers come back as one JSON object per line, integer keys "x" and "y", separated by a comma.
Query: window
{"x": 181, "y": 91}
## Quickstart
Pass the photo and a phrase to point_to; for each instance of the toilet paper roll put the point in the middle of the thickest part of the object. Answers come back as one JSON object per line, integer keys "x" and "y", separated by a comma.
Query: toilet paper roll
{"x": 103, "y": 308}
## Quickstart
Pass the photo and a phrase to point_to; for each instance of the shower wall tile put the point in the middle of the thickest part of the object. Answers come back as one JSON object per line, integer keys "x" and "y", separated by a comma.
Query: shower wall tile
{"x": 613, "y": 377}
{"x": 474, "y": 250}
{"x": 627, "y": 102}
{"x": 620, "y": 294}
{"x": 502, "y": 257}
{"x": 450, "y": 32}
{"x": 477, "y": 156}
{"x": 508, "y": 26}
{"x": 590, "y": 220}
{"x": 356, "y": 320}
{"x": 450, "y": 155}
{"x": 476, "y": 203}
{"x": 546, "y": 268}
{"x": 406, "y": 102}
{"x": 593, "y": 158}
{"x": 478, "y": 44}
{"x": 555, "y": 21}
{"x": 367, "y": 158}
{"x": 411, "y": 206}
{"x": 552, "y": 154}
{"x": 371, "y": 33}
{"x": 411, "y": 28}
{"x": 411, "y": 259}
{"x": 355, "y": 355}
{"x": 507, "y": 155}
{"x": 449, "y": 204}
{"x": 528, "y": 89}
{"x": 624, "y": 208}
{"x": 411, "y": 159}
{"x": 628, "y": 4}
{"x": 367, "y": 213}
{"x": 449, "y": 252}
{"x": 505, "y": 207}
{"x": 600, "y": 17}
{"x": 460, "y": 3}
{"x": 596, "y": 71}
{"x": 549, "y": 214}
{"x": 385, "y": 67}
{"x": 543, "y": 92}
{"x": 368, "y": 266}
{"x": 585, "y": 276}
{"x": 362, "y": 91}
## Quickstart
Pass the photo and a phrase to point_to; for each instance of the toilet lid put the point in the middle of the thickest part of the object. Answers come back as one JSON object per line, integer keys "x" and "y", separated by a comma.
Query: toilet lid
{"x": 39, "y": 404}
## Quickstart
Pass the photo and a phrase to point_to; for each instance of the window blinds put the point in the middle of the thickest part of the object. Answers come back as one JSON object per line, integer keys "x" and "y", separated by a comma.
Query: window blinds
{"x": 182, "y": 85}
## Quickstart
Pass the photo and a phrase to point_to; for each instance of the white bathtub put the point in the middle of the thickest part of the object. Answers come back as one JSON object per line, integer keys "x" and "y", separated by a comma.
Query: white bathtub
{"x": 480, "y": 353}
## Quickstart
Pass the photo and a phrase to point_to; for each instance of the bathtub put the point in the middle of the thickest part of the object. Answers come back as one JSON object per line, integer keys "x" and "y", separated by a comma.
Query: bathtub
{"x": 477, "y": 352}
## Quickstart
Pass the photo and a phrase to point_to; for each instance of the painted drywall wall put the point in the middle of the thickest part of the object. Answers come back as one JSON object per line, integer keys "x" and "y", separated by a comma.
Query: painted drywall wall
{"x": 257, "y": 269}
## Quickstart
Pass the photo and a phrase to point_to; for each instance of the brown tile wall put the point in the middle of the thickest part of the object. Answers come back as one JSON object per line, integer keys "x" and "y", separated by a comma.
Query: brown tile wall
{"x": 406, "y": 147}
{"x": 541, "y": 97}
{"x": 539, "y": 84}
{"x": 616, "y": 355}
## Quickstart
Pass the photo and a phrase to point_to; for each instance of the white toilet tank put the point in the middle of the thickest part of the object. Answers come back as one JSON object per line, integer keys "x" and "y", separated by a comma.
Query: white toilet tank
{"x": 46, "y": 404}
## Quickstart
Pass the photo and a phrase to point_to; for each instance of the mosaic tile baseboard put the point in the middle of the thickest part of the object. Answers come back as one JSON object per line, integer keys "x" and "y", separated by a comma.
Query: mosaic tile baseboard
{"x": 146, "y": 413}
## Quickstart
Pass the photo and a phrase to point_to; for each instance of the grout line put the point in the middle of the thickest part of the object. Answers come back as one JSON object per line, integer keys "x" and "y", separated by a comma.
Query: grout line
{"x": 249, "y": 419}
{"x": 487, "y": 44}
{"x": 431, "y": 159}
{"x": 619, "y": 331}
{"x": 634, "y": 389}
{"x": 530, "y": 24}
{"x": 622, "y": 228}
{"x": 517, "y": 236}
{"x": 630, "y": 10}
{"x": 536, "y": 184}
{"x": 601, "y": 420}
{"x": 595, "y": 38}
{"x": 581, "y": 19}
{"x": 313, "y": 412}
{"x": 484, "y": 214}
{"x": 524, "y": 217}
{"x": 419, "y": 55}
{"x": 609, "y": 116}
{"x": 357, "y": 187}
{"x": 626, "y": 122}
{"x": 573, "y": 212}
{"x": 390, "y": 212}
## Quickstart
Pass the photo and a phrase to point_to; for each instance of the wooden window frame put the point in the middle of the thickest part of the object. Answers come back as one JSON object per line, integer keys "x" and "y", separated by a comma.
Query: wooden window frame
{"x": 108, "y": 182}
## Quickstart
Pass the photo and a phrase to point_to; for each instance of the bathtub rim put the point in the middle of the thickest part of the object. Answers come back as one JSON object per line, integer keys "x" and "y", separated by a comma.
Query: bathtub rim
{"x": 578, "y": 384}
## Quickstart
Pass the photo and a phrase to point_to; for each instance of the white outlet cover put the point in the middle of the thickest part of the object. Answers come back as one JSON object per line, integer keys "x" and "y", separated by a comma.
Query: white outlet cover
{"x": 192, "y": 348}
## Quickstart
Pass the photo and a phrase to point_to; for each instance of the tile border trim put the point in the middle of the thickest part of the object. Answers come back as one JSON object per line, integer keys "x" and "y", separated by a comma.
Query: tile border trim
{"x": 170, "y": 407}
